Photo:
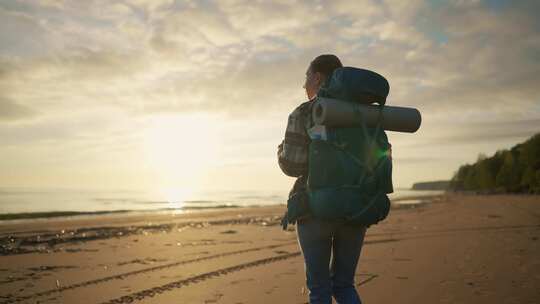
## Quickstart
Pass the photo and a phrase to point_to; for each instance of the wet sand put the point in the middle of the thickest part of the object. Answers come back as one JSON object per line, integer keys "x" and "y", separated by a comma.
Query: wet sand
{"x": 458, "y": 249}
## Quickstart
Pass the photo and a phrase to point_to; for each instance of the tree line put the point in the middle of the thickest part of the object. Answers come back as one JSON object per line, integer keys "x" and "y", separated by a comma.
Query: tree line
{"x": 508, "y": 171}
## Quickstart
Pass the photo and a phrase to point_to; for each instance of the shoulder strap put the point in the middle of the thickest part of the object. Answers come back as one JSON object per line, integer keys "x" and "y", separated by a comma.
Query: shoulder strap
{"x": 367, "y": 166}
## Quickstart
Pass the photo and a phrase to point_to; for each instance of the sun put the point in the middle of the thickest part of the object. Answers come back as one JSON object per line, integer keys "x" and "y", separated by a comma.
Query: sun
{"x": 180, "y": 149}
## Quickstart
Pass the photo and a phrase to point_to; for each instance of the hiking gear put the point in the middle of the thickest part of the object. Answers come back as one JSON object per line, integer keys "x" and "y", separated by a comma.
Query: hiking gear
{"x": 350, "y": 172}
{"x": 355, "y": 85}
{"x": 297, "y": 208}
{"x": 337, "y": 113}
{"x": 349, "y": 167}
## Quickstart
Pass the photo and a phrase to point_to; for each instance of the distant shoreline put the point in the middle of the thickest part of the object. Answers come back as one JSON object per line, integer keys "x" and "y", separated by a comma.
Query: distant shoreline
{"x": 399, "y": 202}
{"x": 432, "y": 185}
{"x": 67, "y": 214}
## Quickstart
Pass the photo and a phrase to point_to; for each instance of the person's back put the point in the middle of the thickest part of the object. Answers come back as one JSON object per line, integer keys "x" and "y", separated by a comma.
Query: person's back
{"x": 323, "y": 242}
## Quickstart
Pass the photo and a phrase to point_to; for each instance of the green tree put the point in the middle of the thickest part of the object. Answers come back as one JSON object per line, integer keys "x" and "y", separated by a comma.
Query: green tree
{"x": 535, "y": 188}
{"x": 530, "y": 152}
{"x": 486, "y": 174}
{"x": 470, "y": 180}
{"x": 457, "y": 182}
{"x": 508, "y": 177}
{"x": 514, "y": 170}
{"x": 530, "y": 160}
{"x": 529, "y": 180}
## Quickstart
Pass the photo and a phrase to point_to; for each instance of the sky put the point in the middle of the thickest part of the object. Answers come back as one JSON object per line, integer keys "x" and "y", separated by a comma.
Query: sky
{"x": 149, "y": 94}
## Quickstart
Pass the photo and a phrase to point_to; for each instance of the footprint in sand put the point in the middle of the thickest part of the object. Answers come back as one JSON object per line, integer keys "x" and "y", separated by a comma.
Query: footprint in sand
{"x": 281, "y": 251}
{"x": 241, "y": 281}
{"x": 229, "y": 232}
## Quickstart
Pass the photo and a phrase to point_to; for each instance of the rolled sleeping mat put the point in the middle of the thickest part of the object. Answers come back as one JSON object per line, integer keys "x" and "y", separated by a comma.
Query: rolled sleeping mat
{"x": 338, "y": 113}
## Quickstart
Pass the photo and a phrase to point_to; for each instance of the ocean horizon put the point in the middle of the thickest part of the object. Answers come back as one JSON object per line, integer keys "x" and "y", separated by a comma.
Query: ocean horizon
{"x": 20, "y": 203}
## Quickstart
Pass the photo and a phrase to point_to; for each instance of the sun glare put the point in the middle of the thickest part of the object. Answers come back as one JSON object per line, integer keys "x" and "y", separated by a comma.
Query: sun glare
{"x": 176, "y": 196}
{"x": 180, "y": 149}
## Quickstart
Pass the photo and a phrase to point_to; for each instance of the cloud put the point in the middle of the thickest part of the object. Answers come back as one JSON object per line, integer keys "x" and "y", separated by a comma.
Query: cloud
{"x": 483, "y": 137}
{"x": 176, "y": 64}
{"x": 471, "y": 67}
{"x": 11, "y": 111}
{"x": 231, "y": 57}
{"x": 34, "y": 41}
{"x": 488, "y": 60}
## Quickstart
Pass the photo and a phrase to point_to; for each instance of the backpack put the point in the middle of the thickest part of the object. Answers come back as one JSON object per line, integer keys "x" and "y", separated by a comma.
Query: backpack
{"x": 350, "y": 174}
{"x": 350, "y": 168}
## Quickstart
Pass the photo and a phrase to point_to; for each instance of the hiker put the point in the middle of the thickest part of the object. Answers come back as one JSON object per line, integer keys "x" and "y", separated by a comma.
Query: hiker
{"x": 331, "y": 248}
{"x": 320, "y": 239}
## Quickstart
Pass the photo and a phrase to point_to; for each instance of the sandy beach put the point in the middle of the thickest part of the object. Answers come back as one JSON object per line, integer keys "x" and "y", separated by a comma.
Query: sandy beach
{"x": 456, "y": 249}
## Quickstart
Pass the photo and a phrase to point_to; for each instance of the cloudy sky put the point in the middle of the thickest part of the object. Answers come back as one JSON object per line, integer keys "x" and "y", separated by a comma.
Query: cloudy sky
{"x": 150, "y": 94}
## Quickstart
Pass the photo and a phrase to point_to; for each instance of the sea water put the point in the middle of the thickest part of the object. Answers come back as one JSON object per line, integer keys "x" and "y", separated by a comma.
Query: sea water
{"x": 32, "y": 200}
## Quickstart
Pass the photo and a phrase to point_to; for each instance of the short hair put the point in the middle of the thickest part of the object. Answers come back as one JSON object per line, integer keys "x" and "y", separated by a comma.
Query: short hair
{"x": 325, "y": 64}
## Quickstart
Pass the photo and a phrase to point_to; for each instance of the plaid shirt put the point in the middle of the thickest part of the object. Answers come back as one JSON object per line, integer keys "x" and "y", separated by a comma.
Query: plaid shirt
{"x": 293, "y": 150}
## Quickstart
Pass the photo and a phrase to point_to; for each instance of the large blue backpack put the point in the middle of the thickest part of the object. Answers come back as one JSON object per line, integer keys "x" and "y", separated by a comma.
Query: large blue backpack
{"x": 350, "y": 174}
{"x": 350, "y": 170}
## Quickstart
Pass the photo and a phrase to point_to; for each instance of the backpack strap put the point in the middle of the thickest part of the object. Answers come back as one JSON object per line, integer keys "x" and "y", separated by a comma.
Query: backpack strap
{"x": 374, "y": 198}
{"x": 378, "y": 128}
{"x": 369, "y": 169}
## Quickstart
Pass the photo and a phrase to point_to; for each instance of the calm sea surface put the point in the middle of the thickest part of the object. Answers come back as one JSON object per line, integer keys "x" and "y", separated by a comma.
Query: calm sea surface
{"x": 26, "y": 200}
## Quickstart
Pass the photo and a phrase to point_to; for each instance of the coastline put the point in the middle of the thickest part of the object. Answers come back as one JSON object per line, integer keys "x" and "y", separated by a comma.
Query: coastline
{"x": 457, "y": 248}
{"x": 21, "y": 204}
{"x": 71, "y": 214}
{"x": 65, "y": 214}
{"x": 41, "y": 232}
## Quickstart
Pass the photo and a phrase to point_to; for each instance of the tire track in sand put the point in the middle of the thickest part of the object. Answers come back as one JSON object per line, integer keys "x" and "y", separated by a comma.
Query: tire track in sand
{"x": 124, "y": 275}
{"x": 150, "y": 292}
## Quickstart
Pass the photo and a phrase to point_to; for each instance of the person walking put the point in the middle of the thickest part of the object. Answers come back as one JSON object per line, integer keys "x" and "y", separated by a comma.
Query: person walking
{"x": 331, "y": 249}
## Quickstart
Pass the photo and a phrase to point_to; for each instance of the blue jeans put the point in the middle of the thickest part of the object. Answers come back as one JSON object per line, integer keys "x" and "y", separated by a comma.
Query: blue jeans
{"x": 331, "y": 251}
